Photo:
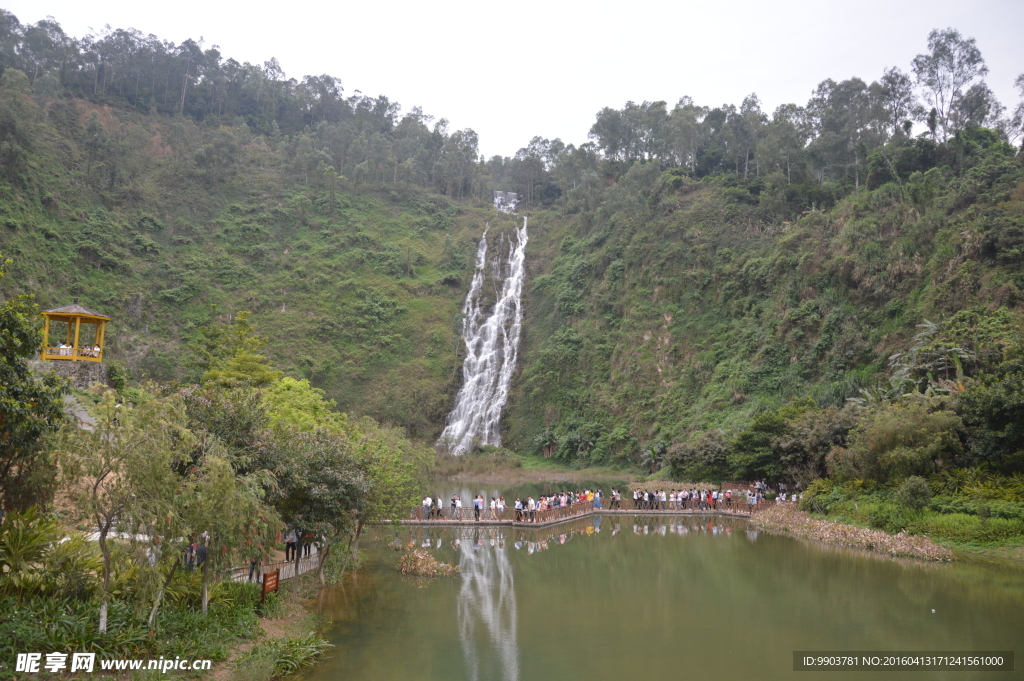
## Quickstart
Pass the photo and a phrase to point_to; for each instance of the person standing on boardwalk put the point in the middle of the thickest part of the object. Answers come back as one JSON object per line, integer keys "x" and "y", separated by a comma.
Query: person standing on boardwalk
{"x": 289, "y": 545}
{"x": 478, "y": 501}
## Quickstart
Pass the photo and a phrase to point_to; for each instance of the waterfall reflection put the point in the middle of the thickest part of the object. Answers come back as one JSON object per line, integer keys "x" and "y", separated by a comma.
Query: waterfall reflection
{"x": 487, "y": 606}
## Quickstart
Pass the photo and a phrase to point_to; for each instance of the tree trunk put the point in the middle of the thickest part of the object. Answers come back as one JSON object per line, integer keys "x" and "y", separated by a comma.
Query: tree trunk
{"x": 105, "y": 550}
{"x": 206, "y": 581}
{"x": 355, "y": 540}
{"x": 298, "y": 557}
{"x": 320, "y": 567}
{"x": 160, "y": 594}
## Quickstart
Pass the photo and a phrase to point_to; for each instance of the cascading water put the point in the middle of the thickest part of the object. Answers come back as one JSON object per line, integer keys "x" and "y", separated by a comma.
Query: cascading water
{"x": 492, "y": 344}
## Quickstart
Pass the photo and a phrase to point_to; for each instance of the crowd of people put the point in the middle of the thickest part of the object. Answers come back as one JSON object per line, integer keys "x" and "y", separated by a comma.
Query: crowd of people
{"x": 526, "y": 509}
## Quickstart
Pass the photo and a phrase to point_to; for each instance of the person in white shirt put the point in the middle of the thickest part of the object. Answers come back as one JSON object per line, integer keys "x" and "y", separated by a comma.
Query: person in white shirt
{"x": 427, "y": 501}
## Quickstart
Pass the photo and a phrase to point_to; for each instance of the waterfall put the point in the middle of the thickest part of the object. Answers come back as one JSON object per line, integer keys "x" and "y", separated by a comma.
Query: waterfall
{"x": 492, "y": 344}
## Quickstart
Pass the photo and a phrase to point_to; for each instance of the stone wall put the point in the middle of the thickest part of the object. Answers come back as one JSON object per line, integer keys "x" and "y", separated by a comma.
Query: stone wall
{"x": 81, "y": 374}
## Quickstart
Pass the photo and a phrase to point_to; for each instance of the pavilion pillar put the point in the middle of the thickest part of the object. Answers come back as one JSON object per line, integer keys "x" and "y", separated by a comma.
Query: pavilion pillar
{"x": 46, "y": 337}
{"x": 100, "y": 332}
{"x": 78, "y": 328}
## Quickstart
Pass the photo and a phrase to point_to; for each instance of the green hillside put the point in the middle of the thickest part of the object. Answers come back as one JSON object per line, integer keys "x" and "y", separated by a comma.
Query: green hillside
{"x": 679, "y": 306}
{"x": 356, "y": 288}
{"x": 707, "y": 290}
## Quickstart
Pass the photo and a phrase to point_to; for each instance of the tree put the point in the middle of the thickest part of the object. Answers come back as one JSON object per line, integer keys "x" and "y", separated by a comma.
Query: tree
{"x": 121, "y": 474}
{"x": 17, "y": 124}
{"x": 227, "y": 512}
{"x": 783, "y": 143}
{"x": 30, "y": 408}
{"x": 1016, "y": 127}
{"x": 236, "y": 416}
{"x": 393, "y": 468}
{"x": 687, "y": 132}
{"x": 295, "y": 403}
{"x": 993, "y": 411}
{"x": 946, "y": 73}
{"x": 891, "y": 442}
{"x": 228, "y": 354}
{"x": 895, "y": 90}
{"x": 320, "y": 484}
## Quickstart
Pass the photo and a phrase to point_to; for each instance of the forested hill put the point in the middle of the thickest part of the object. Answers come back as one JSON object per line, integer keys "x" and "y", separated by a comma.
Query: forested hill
{"x": 697, "y": 275}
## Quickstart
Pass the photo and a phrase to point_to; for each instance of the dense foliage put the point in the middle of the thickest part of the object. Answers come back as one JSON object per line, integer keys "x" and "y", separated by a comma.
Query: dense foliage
{"x": 30, "y": 407}
{"x": 713, "y": 292}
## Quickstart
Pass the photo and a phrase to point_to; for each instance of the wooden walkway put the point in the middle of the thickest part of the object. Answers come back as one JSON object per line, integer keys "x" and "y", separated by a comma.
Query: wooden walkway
{"x": 510, "y": 517}
{"x": 287, "y": 568}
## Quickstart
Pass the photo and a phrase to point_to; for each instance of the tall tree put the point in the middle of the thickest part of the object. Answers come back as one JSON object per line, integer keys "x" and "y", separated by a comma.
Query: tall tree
{"x": 946, "y": 73}
{"x": 121, "y": 474}
{"x": 895, "y": 92}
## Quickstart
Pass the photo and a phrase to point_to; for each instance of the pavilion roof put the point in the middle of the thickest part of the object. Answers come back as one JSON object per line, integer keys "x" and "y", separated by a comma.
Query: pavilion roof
{"x": 75, "y": 310}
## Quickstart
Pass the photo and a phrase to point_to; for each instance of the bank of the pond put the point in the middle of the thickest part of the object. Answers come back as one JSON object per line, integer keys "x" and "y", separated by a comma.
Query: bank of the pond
{"x": 788, "y": 520}
{"x": 287, "y": 639}
{"x": 244, "y": 638}
{"x": 513, "y": 469}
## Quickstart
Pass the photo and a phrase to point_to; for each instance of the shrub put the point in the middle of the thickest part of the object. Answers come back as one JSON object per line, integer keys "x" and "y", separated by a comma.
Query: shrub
{"x": 889, "y": 518}
{"x": 899, "y": 441}
{"x": 280, "y": 656}
{"x": 914, "y": 493}
{"x": 968, "y": 528}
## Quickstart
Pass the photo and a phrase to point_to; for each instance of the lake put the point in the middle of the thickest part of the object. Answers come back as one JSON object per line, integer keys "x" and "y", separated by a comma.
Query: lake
{"x": 653, "y": 598}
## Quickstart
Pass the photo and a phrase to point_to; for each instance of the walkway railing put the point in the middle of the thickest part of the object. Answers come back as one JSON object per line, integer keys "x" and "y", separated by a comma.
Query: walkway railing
{"x": 506, "y": 515}
{"x": 287, "y": 568}
{"x": 511, "y": 515}
{"x": 690, "y": 506}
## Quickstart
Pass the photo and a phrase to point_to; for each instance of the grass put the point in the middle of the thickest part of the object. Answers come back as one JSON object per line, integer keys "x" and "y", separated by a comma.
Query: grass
{"x": 509, "y": 468}
{"x": 279, "y": 657}
{"x": 966, "y": 534}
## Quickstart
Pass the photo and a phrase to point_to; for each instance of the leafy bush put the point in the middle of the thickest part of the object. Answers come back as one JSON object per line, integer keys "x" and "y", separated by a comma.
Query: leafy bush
{"x": 914, "y": 493}
{"x": 900, "y": 441}
{"x": 888, "y": 517}
{"x": 997, "y": 509}
{"x": 279, "y": 657}
{"x": 968, "y": 528}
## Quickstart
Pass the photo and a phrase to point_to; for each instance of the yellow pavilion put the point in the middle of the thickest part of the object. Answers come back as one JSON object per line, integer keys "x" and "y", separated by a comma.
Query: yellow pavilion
{"x": 76, "y": 346}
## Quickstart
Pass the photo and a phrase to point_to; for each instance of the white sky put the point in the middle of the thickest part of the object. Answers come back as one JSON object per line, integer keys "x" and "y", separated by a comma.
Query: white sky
{"x": 516, "y": 70}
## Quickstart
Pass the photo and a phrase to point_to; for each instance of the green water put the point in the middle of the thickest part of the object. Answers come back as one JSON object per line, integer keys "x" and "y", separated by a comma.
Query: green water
{"x": 654, "y": 598}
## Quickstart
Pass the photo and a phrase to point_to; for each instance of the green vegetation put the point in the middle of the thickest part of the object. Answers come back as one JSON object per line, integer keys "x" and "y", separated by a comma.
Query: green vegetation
{"x": 180, "y": 484}
{"x": 712, "y": 294}
{"x": 279, "y": 657}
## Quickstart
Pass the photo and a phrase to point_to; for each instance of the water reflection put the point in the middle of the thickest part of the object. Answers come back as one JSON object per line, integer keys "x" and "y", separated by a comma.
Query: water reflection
{"x": 487, "y": 601}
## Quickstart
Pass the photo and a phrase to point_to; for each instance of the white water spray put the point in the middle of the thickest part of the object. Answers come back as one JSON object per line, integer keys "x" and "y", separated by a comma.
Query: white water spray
{"x": 492, "y": 345}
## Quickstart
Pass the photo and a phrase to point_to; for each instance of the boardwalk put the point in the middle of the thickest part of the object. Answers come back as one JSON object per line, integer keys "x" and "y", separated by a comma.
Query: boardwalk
{"x": 287, "y": 568}
{"x": 510, "y": 517}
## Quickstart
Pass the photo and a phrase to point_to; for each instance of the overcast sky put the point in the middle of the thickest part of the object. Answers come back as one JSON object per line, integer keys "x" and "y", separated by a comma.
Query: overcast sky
{"x": 516, "y": 70}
